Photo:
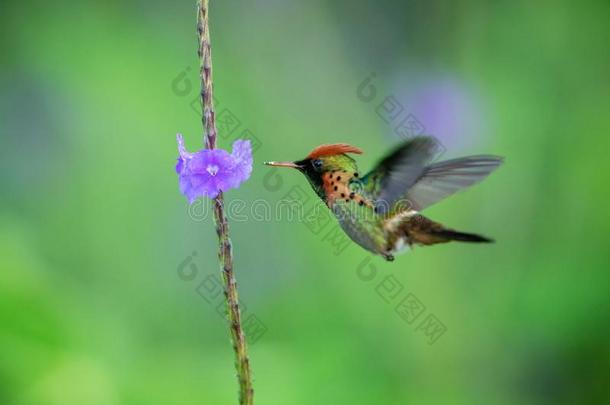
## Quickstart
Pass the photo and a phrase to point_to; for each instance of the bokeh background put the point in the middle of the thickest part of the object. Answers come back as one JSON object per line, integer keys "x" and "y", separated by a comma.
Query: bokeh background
{"x": 97, "y": 302}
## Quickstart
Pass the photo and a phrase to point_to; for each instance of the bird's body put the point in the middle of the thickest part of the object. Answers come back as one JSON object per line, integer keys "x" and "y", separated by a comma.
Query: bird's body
{"x": 380, "y": 211}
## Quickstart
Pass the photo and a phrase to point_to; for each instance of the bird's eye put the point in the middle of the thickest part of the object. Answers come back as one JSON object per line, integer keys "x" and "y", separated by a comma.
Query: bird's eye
{"x": 317, "y": 164}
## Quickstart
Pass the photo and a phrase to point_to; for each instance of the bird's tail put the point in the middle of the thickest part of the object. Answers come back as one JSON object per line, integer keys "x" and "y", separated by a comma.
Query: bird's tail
{"x": 423, "y": 231}
{"x": 449, "y": 235}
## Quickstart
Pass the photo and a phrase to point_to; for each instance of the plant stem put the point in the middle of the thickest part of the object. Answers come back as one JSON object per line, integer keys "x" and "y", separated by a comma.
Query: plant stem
{"x": 225, "y": 253}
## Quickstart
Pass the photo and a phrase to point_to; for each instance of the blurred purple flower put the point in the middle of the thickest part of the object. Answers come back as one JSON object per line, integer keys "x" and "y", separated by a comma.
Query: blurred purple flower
{"x": 210, "y": 171}
{"x": 450, "y": 109}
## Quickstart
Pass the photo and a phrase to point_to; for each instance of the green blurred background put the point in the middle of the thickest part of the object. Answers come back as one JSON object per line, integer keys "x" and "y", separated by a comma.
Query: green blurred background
{"x": 93, "y": 230}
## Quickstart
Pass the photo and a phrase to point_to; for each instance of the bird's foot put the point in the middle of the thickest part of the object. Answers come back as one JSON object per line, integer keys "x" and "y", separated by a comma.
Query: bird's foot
{"x": 388, "y": 257}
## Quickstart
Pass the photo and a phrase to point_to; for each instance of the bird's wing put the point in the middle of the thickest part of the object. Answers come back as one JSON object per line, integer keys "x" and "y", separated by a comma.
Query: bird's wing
{"x": 406, "y": 176}
{"x": 442, "y": 179}
{"x": 389, "y": 181}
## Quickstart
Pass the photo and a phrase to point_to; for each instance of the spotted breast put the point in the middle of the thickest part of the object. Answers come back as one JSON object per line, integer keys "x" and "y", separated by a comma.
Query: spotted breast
{"x": 340, "y": 185}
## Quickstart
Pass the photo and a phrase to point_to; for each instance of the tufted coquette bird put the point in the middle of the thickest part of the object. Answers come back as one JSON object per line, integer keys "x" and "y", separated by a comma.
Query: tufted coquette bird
{"x": 380, "y": 210}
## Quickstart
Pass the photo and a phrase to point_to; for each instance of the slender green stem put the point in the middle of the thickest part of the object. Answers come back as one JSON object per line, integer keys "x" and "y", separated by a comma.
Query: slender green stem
{"x": 225, "y": 252}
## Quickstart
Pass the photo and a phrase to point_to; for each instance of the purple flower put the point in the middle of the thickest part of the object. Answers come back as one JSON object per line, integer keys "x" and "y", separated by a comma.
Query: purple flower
{"x": 210, "y": 171}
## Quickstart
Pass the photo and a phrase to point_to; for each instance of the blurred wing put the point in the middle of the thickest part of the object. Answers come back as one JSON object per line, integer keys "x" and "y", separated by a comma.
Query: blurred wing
{"x": 399, "y": 171}
{"x": 443, "y": 179}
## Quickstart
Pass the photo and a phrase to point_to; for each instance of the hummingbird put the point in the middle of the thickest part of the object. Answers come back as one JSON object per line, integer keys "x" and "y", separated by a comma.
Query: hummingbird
{"x": 380, "y": 211}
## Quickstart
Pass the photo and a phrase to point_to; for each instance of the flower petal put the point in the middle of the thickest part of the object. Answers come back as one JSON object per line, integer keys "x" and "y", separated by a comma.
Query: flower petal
{"x": 184, "y": 155}
{"x": 181, "y": 148}
{"x": 242, "y": 156}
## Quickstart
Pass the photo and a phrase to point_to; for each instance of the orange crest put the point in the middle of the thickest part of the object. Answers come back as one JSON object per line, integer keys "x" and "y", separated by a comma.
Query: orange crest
{"x": 333, "y": 149}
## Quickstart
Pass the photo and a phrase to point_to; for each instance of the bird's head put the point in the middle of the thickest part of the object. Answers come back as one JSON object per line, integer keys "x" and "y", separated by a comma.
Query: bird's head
{"x": 322, "y": 160}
